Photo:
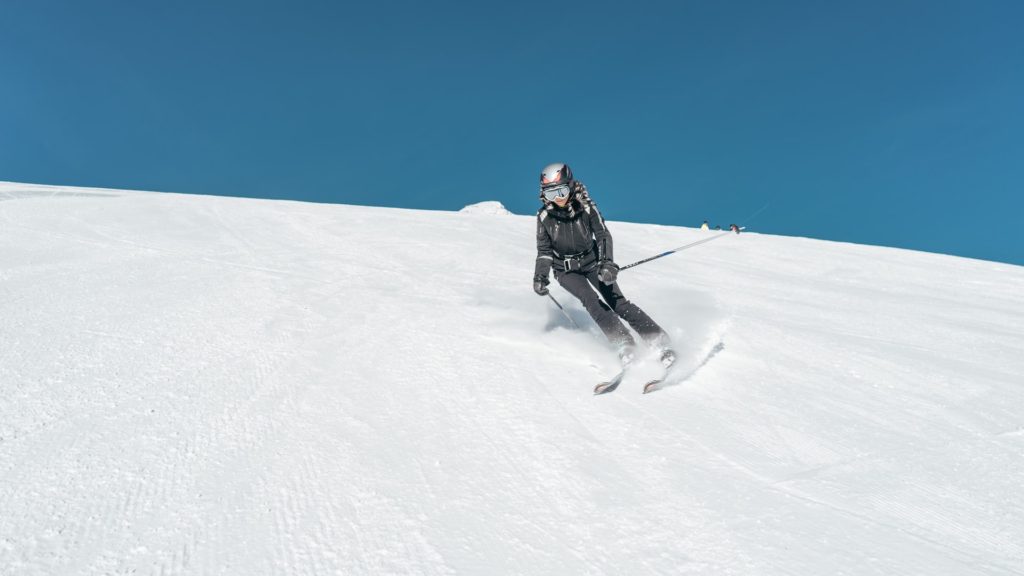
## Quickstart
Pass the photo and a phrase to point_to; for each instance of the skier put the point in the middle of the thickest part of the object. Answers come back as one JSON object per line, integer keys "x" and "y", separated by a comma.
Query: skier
{"x": 572, "y": 238}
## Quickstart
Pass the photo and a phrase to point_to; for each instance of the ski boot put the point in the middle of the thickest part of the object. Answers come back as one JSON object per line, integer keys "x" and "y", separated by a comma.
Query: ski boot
{"x": 663, "y": 343}
{"x": 626, "y": 355}
{"x": 668, "y": 357}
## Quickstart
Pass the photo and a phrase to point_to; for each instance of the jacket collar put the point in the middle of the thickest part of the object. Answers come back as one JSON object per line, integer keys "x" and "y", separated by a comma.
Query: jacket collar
{"x": 570, "y": 211}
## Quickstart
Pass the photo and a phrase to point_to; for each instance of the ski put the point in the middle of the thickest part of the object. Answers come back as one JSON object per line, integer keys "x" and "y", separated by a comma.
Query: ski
{"x": 656, "y": 384}
{"x": 610, "y": 385}
{"x": 653, "y": 385}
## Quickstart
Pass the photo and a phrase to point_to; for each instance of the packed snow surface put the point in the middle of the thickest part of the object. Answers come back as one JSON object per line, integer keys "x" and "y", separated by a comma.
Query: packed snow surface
{"x": 204, "y": 385}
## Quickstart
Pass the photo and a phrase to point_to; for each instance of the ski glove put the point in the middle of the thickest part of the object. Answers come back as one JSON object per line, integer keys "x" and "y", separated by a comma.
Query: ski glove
{"x": 540, "y": 286}
{"x": 609, "y": 272}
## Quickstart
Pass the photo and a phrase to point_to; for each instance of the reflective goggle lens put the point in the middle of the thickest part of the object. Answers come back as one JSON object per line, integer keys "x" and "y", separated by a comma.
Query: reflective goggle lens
{"x": 556, "y": 192}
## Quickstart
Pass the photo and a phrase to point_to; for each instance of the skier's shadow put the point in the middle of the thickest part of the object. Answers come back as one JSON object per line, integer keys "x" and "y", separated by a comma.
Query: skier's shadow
{"x": 583, "y": 321}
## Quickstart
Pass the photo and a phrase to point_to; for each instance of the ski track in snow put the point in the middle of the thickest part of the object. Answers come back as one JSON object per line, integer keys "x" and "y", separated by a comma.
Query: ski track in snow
{"x": 201, "y": 385}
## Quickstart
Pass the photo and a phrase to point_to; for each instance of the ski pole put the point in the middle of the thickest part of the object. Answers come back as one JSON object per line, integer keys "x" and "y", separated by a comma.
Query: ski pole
{"x": 733, "y": 228}
{"x": 690, "y": 245}
{"x": 563, "y": 311}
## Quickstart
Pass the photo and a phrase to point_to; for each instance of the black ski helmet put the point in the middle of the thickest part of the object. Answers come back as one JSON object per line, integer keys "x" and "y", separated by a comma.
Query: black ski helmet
{"x": 555, "y": 174}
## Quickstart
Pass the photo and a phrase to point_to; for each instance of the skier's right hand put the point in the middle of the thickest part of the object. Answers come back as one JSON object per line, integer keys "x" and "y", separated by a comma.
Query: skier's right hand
{"x": 540, "y": 286}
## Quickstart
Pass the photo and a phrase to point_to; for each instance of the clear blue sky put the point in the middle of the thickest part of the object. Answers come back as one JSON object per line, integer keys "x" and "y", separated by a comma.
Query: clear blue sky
{"x": 899, "y": 123}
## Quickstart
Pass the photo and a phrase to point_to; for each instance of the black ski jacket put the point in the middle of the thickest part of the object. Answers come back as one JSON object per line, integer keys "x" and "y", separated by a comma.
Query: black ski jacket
{"x": 573, "y": 238}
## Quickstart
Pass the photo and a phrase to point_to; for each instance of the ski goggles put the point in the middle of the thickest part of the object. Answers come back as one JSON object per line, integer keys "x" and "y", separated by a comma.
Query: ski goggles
{"x": 556, "y": 192}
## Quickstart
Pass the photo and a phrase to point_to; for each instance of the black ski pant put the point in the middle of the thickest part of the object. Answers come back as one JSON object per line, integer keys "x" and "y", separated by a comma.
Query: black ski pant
{"x": 609, "y": 307}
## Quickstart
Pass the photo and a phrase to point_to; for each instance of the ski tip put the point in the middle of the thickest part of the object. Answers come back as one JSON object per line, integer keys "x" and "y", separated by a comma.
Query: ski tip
{"x": 609, "y": 385}
{"x": 652, "y": 386}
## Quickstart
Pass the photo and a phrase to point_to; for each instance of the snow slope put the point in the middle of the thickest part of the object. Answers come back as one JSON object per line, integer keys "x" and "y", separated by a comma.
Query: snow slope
{"x": 204, "y": 385}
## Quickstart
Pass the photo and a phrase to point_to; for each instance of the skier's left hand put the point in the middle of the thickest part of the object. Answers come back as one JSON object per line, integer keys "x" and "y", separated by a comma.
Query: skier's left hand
{"x": 608, "y": 272}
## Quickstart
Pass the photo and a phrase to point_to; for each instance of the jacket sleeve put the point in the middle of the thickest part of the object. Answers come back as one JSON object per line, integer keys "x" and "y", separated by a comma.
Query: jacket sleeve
{"x": 602, "y": 236}
{"x": 544, "y": 251}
